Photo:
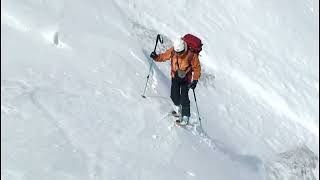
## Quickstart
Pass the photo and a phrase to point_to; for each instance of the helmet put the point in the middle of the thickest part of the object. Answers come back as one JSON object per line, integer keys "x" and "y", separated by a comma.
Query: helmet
{"x": 179, "y": 45}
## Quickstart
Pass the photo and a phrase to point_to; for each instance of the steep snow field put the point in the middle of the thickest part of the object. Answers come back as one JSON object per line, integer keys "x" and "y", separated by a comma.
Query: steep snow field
{"x": 72, "y": 75}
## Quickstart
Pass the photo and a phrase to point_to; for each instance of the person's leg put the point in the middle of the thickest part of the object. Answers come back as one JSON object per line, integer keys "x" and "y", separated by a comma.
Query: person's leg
{"x": 175, "y": 92}
{"x": 184, "y": 100}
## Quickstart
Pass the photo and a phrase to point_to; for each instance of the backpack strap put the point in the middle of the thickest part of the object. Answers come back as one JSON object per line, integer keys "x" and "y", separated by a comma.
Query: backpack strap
{"x": 172, "y": 54}
{"x": 171, "y": 64}
{"x": 190, "y": 58}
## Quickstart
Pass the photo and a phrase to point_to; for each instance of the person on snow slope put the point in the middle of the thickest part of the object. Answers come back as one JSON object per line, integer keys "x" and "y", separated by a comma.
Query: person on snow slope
{"x": 185, "y": 73}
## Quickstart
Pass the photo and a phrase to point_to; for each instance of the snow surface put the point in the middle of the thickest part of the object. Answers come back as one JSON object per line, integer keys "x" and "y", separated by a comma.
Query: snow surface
{"x": 72, "y": 75}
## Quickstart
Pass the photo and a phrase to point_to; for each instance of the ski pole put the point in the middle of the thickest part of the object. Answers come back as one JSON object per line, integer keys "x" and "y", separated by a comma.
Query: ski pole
{"x": 155, "y": 47}
{"x": 195, "y": 99}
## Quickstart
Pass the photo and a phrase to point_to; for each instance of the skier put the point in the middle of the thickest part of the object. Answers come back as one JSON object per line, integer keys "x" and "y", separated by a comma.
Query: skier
{"x": 185, "y": 73}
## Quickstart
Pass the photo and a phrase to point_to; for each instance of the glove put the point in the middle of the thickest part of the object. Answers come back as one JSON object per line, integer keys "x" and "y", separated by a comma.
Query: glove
{"x": 153, "y": 55}
{"x": 193, "y": 85}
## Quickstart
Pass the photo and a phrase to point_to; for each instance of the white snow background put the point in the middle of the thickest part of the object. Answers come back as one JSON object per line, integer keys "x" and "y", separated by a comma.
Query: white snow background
{"x": 73, "y": 71}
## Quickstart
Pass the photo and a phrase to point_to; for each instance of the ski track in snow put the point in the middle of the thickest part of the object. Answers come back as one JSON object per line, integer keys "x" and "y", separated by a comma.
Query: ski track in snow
{"x": 31, "y": 93}
{"x": 217, "y": 145}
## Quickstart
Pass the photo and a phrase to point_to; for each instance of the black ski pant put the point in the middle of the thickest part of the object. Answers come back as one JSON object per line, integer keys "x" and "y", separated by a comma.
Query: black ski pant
{"x": 179, "y": 94}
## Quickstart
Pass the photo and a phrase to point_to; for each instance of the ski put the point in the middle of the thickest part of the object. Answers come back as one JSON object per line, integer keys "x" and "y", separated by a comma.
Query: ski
{"x": 176, "y": 118}
{"x": 178, "y": 122}
{"x": 175, "y": 114}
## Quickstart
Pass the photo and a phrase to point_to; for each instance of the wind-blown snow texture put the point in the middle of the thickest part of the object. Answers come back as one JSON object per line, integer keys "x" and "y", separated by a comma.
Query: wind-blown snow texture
{"x": 72, "y": 74}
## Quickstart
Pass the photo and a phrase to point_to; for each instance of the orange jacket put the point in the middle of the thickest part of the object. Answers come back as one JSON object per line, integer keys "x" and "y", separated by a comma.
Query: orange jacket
{"x": 182, "y": 62}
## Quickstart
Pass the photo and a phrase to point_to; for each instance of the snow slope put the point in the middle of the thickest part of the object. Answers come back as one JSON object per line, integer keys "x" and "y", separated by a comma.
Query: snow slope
{"x": 72, "y": 74}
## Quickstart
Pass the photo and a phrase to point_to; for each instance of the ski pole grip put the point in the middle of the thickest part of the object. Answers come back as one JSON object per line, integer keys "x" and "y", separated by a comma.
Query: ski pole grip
{"x": 158, "y": 39}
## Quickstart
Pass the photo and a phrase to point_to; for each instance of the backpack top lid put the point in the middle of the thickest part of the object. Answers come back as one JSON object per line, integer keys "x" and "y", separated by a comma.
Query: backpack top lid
{"x": 194, "y": 43}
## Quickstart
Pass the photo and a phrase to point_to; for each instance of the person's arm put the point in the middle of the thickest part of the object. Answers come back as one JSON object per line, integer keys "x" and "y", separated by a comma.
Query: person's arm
{"x": 164, "y": 56}
{"x": 196, "y": 68}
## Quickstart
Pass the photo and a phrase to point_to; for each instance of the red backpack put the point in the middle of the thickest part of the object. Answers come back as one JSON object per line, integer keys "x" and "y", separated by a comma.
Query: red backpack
{"x": 193, "y": 42}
